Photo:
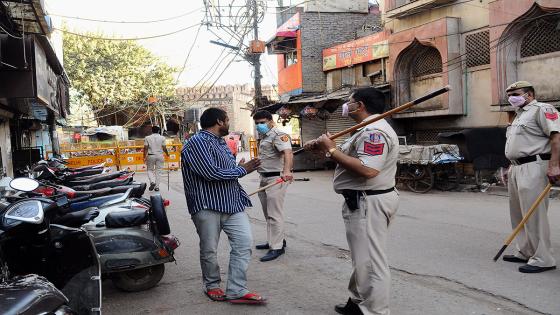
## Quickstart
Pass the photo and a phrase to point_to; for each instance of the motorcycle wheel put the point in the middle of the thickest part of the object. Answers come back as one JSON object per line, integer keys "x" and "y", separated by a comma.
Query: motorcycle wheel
{"x": 138, "y": 279}
{"x": 159, "y": 215}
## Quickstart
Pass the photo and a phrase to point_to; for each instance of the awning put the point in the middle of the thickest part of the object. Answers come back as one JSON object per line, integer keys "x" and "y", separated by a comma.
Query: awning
{"x": 320, "y": 99}
{"x": 286, "y": 34}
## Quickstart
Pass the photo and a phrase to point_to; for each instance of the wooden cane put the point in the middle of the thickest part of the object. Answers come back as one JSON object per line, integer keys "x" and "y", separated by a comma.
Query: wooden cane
{"x": 387, "y": 113}
{"x": 278, "y": 181}
{"x": 524, "y": 220}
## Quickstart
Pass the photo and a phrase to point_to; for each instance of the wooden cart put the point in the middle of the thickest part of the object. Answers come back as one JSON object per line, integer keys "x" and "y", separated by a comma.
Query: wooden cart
{"x": 421, "y": 168}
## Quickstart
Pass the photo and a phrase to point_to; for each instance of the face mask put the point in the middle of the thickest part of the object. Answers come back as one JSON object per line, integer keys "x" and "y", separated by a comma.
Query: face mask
{"x": 262, "y": 128}
{"x": 517, "y": 101}
{"x": 346, "y": 110}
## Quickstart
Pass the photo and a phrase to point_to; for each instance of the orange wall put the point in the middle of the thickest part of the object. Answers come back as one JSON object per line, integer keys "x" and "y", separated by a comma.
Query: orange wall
{"x": 290, "y": 79}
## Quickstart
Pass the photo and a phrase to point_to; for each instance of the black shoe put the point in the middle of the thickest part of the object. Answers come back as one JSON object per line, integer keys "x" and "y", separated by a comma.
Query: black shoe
{"x": 156, "y": 189}
{"x": 266, "y": 246}
{"x": 515, "y": 259}
{"x": 272, "y": 254}
{"x": 152, "y": 185}
{"x": 534, "y": 269}
{"x": 350, "y": 308}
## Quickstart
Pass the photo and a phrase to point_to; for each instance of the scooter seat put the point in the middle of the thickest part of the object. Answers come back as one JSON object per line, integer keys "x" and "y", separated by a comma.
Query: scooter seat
{"x": 77, "y": 218}
{"x": 126, "y": 218}
{"x": 30, "y": 294}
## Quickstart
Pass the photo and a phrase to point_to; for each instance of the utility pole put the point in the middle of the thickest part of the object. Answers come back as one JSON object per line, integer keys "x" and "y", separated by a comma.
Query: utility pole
{"x": 256, "y": 57}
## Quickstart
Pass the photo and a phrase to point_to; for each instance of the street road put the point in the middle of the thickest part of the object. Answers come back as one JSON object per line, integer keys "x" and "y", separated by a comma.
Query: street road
{"x": 441, "y": 250}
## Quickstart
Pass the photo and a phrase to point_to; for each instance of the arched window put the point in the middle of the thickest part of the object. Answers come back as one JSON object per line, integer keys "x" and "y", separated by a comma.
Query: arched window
{"x": 427, "y": 61}
{"x": 543, "y": 37}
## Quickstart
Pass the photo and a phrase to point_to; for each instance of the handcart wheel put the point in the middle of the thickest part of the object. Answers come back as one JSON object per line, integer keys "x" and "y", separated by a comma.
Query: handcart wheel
{"x": 420, "y": 178}
{"x": 446, "y": 177}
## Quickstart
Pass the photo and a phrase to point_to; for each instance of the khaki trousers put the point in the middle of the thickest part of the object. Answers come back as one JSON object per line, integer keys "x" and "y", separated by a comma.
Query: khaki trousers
{"x": 366, "y": 232}
{"x": 525, "y": 183}
{"x": 154, "y": 163}
{"x": 272, "y": 201}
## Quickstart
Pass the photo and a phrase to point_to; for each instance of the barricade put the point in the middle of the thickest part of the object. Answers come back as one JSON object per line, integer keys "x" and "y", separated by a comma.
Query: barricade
{"x": 122, "y": 155}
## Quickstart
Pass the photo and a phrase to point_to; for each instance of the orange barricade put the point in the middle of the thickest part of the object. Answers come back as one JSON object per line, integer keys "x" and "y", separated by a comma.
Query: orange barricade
{"x": 122, "y": 155}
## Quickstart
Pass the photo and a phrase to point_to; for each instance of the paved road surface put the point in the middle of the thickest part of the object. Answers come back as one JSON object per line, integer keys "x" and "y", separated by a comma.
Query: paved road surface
{"x": 441, "y": 250}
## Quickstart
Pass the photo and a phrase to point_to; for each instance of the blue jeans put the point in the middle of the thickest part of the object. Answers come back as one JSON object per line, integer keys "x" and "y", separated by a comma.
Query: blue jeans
{"x": 209, "y": 224}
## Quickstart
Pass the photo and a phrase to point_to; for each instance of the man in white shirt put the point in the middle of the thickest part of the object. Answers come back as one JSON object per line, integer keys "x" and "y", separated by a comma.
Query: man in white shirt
{"x": 154, "y": 147}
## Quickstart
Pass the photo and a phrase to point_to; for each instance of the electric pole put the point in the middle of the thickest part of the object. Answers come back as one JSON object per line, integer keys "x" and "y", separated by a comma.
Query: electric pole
{"x": 256, "y": 58}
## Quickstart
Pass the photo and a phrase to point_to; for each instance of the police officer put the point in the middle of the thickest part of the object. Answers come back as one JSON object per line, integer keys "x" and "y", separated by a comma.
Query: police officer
{"x": 275, "y": 153}
{"x": 533, "y": 147}
{"x": 365, "y": 176}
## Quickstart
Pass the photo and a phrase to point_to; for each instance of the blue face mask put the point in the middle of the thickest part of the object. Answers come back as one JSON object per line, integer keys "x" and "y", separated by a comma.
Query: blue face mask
{"x": 263, "y": 128}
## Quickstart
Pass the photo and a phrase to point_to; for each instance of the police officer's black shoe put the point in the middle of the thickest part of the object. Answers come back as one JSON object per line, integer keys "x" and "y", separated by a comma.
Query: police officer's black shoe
{"x": 266, "y": 246}
{"x": 152, "y": 185}
{"x": 272, "y": 254}
{"x": 350, "y": 308}
{"x": 534, "y": 269}
{"x": 514, "y": 259}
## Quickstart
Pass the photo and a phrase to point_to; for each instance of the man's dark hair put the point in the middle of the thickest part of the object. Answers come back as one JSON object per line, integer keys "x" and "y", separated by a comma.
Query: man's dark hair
{"x": 373, "y": 99}
{"x": 155, "y": 129}
{"x": 262, "y": 114}
{"x": 211, "y": 116}
{"x": 529, "y": 89}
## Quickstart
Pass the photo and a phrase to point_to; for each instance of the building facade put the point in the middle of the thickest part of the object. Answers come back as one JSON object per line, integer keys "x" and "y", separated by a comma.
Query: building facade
{"x": 236, "y": 100}
{"x": 476, "y": 47}
{"x": 33, "y": 85}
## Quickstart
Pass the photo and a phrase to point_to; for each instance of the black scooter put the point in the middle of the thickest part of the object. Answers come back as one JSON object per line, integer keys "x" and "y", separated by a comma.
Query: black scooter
{"x": 45, "y": 268}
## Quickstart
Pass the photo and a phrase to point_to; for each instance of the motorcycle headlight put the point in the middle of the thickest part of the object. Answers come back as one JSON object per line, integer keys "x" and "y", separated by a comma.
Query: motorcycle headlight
{"x": 30, "y": 211}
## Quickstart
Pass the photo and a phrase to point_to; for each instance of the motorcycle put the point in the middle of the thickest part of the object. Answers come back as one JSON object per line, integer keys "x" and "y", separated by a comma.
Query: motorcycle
{"x": 45, "y": 268}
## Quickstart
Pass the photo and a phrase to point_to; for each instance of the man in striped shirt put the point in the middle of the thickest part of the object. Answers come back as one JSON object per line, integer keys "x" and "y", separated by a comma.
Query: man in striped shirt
{"x": 216, "y": 202}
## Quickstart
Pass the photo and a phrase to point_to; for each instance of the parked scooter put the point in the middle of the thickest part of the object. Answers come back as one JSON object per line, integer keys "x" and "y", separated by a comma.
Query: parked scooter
{"x": 45, "y": 268}
{"x": 131, "y": 236}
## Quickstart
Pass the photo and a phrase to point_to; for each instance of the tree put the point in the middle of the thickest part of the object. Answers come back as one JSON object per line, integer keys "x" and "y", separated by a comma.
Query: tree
{"x": 116, "y": 77}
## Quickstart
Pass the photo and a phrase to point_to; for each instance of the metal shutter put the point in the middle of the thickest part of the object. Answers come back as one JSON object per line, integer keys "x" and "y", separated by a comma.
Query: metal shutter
{"x": 337, "y": 123}
{"x": 311, "y": 129}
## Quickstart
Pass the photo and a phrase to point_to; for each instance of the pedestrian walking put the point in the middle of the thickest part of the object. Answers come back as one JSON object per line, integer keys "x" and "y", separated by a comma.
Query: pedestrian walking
{"x": 533, "y": 147}
{"x": 365, "y": 177}
{"x": 216, "y": 202}
{"x": 232, "y": 145}
{"x": 275, "y": 153}
{"x": 154, "y": 147}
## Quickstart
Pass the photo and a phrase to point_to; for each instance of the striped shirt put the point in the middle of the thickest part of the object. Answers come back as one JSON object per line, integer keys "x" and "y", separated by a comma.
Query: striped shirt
{"x": 210, "y": 176}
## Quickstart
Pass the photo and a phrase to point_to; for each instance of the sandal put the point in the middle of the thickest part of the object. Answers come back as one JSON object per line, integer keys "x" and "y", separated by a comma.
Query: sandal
{"x": 249, "y": 298}
{"x": 216, "y": 294}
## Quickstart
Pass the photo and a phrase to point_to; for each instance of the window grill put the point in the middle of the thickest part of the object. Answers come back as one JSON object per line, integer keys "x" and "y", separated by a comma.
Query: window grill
{"x": 429, "y": 137}
{"x": 478, "y": 49}
{"x": 542, "y": 38}
{"x": 428, "y": 61}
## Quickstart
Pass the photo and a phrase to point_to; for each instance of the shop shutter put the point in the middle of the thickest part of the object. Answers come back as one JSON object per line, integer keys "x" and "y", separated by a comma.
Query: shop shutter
{"x": 337, "y": 123}
{"x": 311, "y": 129}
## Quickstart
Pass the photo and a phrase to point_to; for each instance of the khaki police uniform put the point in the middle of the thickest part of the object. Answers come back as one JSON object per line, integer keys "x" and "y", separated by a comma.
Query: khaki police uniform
{"x": 271, "y": 147}
{"x": 529, "y": 136}
{"x": 154, "y": 159}
{"x": 377, "y": 146}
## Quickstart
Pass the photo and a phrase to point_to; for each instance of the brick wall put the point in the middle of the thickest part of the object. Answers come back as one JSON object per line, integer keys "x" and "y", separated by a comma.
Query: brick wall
{"x": 323, "y": 30}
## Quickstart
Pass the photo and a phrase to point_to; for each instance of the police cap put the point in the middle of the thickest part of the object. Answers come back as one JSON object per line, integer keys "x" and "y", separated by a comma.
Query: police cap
{"x": 518, "y": 85}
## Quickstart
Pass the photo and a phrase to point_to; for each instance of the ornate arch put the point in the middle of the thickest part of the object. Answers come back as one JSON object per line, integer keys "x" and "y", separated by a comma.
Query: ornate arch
{"x": 533, "y": 35}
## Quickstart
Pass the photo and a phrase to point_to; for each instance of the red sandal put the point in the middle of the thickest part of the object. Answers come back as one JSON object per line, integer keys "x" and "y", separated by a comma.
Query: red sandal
{"x": 249, "y": 298}
{"x": 216, "y": 294}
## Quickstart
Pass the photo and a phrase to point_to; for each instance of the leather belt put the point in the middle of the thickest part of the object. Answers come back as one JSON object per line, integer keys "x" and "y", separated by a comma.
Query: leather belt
{"x": 270, "y": 174}
{"x": 531, "y": 158}
{"x": 367, "y": 192}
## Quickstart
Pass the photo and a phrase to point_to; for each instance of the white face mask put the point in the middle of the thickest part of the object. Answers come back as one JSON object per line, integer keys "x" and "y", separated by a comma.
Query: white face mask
{"x": 517, "y": 101}
{"x": 346, "y": 109}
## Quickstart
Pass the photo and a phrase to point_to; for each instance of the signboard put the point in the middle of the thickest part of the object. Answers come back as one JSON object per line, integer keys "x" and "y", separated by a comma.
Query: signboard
{"x": 291, "y": 25}
{"x": 361, "y": 50}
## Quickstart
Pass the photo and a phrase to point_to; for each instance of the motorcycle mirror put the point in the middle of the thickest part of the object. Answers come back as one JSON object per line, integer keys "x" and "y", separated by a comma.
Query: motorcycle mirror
{"x": 24, "y": 184}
